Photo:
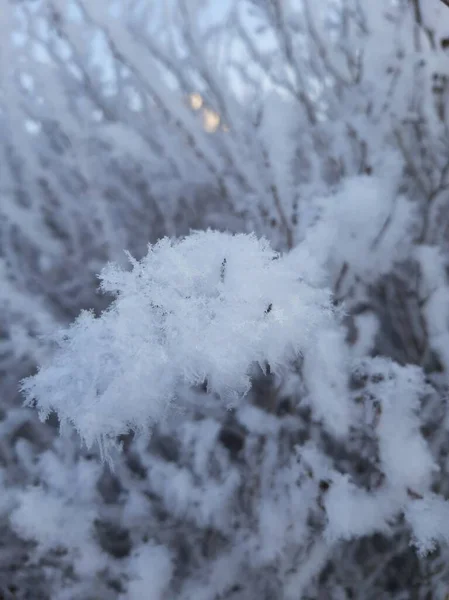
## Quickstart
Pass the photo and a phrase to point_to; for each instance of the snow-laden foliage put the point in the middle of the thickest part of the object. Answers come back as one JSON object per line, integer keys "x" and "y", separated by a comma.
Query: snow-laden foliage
{"x": 208, "y": 308}
{"x": 204, "y": 309}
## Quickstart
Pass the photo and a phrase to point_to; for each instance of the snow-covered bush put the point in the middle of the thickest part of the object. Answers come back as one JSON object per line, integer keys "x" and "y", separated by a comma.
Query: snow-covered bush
{"x": 209, "y": 309}
{"x": 320, "y": 126}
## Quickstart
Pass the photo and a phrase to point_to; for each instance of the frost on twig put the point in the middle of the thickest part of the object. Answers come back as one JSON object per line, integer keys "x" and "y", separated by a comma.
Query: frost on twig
{"x": 181, "y": 316}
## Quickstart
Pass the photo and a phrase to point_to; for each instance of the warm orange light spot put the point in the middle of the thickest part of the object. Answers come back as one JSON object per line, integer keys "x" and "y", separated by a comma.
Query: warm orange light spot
{"x": 196, "y": 101}
{"x": 211, "y": 120}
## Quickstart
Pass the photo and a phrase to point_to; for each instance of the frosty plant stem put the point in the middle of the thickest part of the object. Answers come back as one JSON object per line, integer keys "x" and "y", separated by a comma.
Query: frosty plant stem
{"x": 206, "y": 307}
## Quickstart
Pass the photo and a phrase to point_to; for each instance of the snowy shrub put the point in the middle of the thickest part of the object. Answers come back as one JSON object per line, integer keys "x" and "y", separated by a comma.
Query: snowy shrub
{"x": 295, "y": 388}
{"x": 208, "y": 309}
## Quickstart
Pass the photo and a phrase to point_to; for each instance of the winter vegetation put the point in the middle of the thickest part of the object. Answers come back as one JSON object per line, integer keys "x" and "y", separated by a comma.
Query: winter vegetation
{"x": 224, "y": 299}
